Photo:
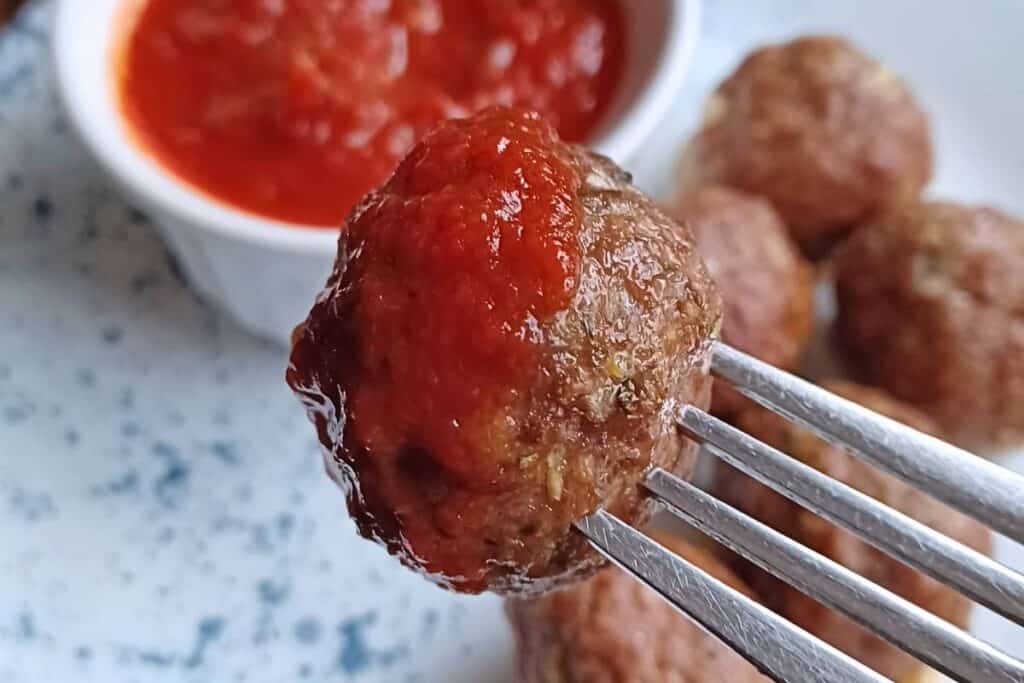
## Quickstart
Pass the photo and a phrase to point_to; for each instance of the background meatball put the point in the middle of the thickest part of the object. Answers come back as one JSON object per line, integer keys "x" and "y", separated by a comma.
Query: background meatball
{"x": 823, "y": 131}
{"x": 613, "y": 629}
{"x": 499, "y": 351}
{"x": 807, "y": 528}
{"x": 931, "y": 307}
{"x": 766, "y": 285}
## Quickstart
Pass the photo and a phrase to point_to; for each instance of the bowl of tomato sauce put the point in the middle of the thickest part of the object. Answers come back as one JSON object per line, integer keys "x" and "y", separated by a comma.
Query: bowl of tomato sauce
{"x": 249, "y": 129}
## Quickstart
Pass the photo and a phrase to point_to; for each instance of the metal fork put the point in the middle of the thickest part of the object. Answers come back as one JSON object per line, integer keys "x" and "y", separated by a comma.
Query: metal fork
{"x": 985, "y": 491}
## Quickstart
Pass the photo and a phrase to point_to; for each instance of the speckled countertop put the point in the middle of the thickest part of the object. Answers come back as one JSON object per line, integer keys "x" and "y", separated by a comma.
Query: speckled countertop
{"x": 163, "y": 514}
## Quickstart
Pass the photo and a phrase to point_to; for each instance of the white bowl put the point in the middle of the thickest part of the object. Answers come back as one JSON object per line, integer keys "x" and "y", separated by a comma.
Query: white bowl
{"x": 265, "y": 273}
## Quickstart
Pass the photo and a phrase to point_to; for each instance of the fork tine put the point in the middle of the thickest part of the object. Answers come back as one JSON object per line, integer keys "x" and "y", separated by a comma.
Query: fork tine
{"x": 922, "y": 634}
{"x": 769, "y": 642}
{"x": 972, "y": 573}
{"x": 989, "y": 493}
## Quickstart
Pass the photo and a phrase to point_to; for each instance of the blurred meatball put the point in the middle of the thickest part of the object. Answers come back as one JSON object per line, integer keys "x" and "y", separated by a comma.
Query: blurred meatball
{"x": 931, "y": 307}
{"x": 822, "y": 130}
{"x": 498, "y": 353}
{"x": 771, "y": 508}
{"x": 766, "y": 285}
{"x": 613, "y": 629}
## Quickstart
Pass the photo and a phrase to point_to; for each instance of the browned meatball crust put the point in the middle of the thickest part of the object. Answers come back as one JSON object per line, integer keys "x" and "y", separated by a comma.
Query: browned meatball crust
{"x": 767, "y": 286}
{"x": 931, "y": 307}
{"x": 822, "y": 130}
{"x": 771, "y": 508}
{"x": 467, "y": 443}
{"x": 613, "y": 629}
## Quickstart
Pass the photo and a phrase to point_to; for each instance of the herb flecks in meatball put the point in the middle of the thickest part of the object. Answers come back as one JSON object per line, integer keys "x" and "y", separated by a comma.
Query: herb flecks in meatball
{"x": 823, "y": 131}
{"x": 766, "y": 284}
{"x": 499, "y": 352}
{"x": 843, "y": 547}
{"x": 611, "y": 628}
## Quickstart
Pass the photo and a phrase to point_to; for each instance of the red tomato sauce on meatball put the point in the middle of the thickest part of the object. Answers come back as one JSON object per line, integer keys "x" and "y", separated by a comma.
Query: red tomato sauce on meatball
{"x": 294, "y": 109}
{"x": 471, "y": 245}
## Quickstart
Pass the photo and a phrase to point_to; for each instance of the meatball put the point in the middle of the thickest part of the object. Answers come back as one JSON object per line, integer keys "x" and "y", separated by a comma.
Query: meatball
{"x": 931, "y": 307}
{"x": 822, "y": 130}
{"x": 843, "y": 547}
{"x": 613, "y": 629}
{"x": 766, "y": 285}
{"x": 499, "y": 352}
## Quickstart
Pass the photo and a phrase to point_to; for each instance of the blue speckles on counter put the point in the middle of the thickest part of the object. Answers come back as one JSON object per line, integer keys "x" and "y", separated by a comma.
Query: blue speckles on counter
{"x": 112, "y": 334}
{"x": 122, "y": 485}
{"x": 273, "y": 593}
{"x": 226, "y": 452}
{"x": 430, "y": 619}
{"x": 285, "y": 524}
{"x": 356, "y": 654}
{"x": 157, "y": 659}
{"x": 260, "y": 539}
{"x": 172, "y": 485}
{"x": 209, "y": 630}
{"x": 28, "y": 506}
{"x": 42, "y": 208}
{"x": 130, "y": 429}
{"x": 18, "y": 410}
{"x": 307, "y": 630}
{"x": 12, "y": 78}
{"x": 26, "y": 628}
{"x": 164, "y": 516}
{"x": 126, "y": 399}
{"x": 72, "y": 437}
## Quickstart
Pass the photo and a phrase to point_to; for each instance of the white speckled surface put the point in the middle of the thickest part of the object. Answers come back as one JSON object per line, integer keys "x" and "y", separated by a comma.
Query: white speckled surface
{"x": 163, "y": 515}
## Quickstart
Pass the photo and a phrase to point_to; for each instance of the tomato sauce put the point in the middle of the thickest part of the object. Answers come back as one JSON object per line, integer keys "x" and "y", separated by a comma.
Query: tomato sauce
{"x": 429, "y": 330}
{"x": 469, "y": 247}
{"x": 294, "y": 109}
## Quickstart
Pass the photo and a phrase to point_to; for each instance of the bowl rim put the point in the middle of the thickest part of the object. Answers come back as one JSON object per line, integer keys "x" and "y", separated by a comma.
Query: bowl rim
{"x": 158, "y": 188}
